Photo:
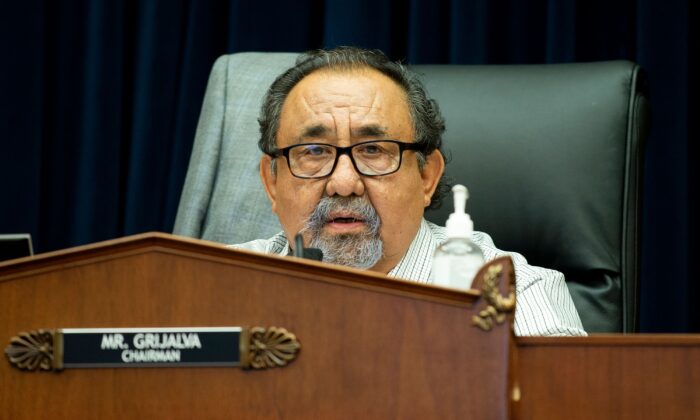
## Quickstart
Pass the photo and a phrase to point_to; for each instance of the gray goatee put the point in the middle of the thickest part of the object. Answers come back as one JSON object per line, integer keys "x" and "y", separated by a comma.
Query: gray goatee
{"x": 359, "y": 250}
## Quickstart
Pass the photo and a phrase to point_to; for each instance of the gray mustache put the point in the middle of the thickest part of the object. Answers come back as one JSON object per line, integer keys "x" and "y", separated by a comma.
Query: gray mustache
{"x": 357, "y": 206}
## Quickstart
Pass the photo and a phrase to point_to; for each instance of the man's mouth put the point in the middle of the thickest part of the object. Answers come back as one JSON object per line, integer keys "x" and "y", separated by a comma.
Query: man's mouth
{"x": 335, "y": 217}
{"x": 345, "y": 223}
{"x": 345, "y": 220}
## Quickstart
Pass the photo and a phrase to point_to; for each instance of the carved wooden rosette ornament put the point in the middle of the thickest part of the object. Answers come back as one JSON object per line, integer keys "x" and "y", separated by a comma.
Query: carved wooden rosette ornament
{"x": 268, "y": 348}
{"x": 494, "y": 278}
{"x": 32, "y": 350}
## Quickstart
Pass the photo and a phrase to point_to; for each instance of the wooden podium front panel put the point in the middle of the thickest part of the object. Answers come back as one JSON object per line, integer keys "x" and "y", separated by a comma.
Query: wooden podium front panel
{"x": 609, "y": 377}
{"x": 368, "y": 350}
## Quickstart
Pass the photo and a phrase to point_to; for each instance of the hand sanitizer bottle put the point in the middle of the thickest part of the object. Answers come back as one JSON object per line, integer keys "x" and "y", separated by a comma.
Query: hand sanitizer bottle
{"x": 457, "y": 260}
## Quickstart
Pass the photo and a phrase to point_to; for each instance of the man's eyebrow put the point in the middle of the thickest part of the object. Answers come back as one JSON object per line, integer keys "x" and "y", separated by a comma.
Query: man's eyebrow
{"x": 314, "y": 131}
{"x": 371, "y": 130}
{"x": 319, "y": 130}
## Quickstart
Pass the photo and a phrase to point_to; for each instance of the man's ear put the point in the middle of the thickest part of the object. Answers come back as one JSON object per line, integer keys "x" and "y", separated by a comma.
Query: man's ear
{"x": 269, "y": 180}
{"x": 431, "y": 174}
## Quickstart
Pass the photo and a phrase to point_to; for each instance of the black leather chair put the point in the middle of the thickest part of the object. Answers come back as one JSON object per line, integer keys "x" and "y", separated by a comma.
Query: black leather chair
{"x": 552, "y": 156}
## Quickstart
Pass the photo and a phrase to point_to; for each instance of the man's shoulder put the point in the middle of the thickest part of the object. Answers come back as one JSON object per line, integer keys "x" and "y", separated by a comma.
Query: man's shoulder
{"x": 257, "y": 245}
{"x": 482, "y": 239}
{"x": 527, "y": 274}
{"x": 276, "y": 245}
{"x": 438, "y": 232}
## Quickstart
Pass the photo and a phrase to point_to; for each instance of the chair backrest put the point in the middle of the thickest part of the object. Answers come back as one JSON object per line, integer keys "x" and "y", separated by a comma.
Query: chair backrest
{"x": 552, "y": 156}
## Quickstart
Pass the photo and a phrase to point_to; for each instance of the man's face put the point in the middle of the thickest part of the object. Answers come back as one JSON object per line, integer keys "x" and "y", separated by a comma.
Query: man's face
{"x": 343, "y": 108}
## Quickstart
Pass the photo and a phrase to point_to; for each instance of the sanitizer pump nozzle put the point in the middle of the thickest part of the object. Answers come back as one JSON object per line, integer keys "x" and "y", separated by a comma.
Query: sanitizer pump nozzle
{"x": 459, "y": 224}
{"x": 457, "y": 260}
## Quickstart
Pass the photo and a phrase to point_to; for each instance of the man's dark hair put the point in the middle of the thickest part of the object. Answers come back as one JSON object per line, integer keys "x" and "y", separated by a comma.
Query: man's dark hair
{"x": 428, "y": 123}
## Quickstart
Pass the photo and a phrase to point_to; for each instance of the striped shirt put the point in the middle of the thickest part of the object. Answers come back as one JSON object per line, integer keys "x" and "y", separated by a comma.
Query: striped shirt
{"x": 544, "y": 306}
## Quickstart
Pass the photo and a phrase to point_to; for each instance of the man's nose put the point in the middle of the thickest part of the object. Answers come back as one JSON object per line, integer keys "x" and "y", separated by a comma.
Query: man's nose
{"x": 345, "y": 181}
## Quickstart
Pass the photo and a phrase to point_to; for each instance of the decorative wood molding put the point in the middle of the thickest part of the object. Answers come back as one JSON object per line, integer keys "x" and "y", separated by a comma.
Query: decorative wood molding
{"x": 172, "y": 245}
{"x": 266, "y": 348}
{"x": 33, "y": 350}
{"x": 497, "y": 304}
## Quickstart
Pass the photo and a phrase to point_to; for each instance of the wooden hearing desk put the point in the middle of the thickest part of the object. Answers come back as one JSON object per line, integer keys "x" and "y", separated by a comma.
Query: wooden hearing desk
{"x": 371, "y": 347}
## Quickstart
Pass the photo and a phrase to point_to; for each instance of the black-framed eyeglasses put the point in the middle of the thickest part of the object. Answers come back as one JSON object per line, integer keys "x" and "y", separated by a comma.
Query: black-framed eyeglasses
{"x": 370, "y": 158}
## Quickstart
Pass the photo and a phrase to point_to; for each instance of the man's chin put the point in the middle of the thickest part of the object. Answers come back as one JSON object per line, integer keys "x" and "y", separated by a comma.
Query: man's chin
{"x": 353, "y": 249}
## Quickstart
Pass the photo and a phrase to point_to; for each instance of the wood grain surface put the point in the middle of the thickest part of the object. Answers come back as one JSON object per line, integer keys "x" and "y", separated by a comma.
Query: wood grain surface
{"x": 609, "y": 377}
{"x": 372, "y": 347}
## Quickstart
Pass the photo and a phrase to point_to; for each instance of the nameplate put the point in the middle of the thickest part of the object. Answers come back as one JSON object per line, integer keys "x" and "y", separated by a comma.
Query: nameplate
{"x": 126, "y": 347}
{"x": 59, "y": 349}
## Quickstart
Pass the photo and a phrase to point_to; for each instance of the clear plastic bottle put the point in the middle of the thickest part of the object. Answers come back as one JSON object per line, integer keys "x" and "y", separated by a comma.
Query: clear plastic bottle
{"x": 457, "y": 260}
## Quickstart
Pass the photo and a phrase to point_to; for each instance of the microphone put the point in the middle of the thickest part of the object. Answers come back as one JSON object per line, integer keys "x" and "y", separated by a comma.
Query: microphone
{"x": 308, "y": 253}
{"x": 313, "y": 254}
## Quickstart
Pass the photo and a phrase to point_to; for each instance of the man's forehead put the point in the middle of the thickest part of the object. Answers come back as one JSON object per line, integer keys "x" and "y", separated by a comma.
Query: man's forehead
{"x": 364, "y": 82}
{"x": 373, "y": 101}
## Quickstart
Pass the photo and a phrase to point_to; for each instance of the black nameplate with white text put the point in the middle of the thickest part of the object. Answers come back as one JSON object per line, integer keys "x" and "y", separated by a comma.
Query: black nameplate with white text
{"x": 246, "y": 347}
{"x": 133, "y": 347}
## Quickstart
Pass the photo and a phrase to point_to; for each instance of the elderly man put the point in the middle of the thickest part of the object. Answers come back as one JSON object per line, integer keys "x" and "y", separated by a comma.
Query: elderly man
{"x": 352, "y": 158}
